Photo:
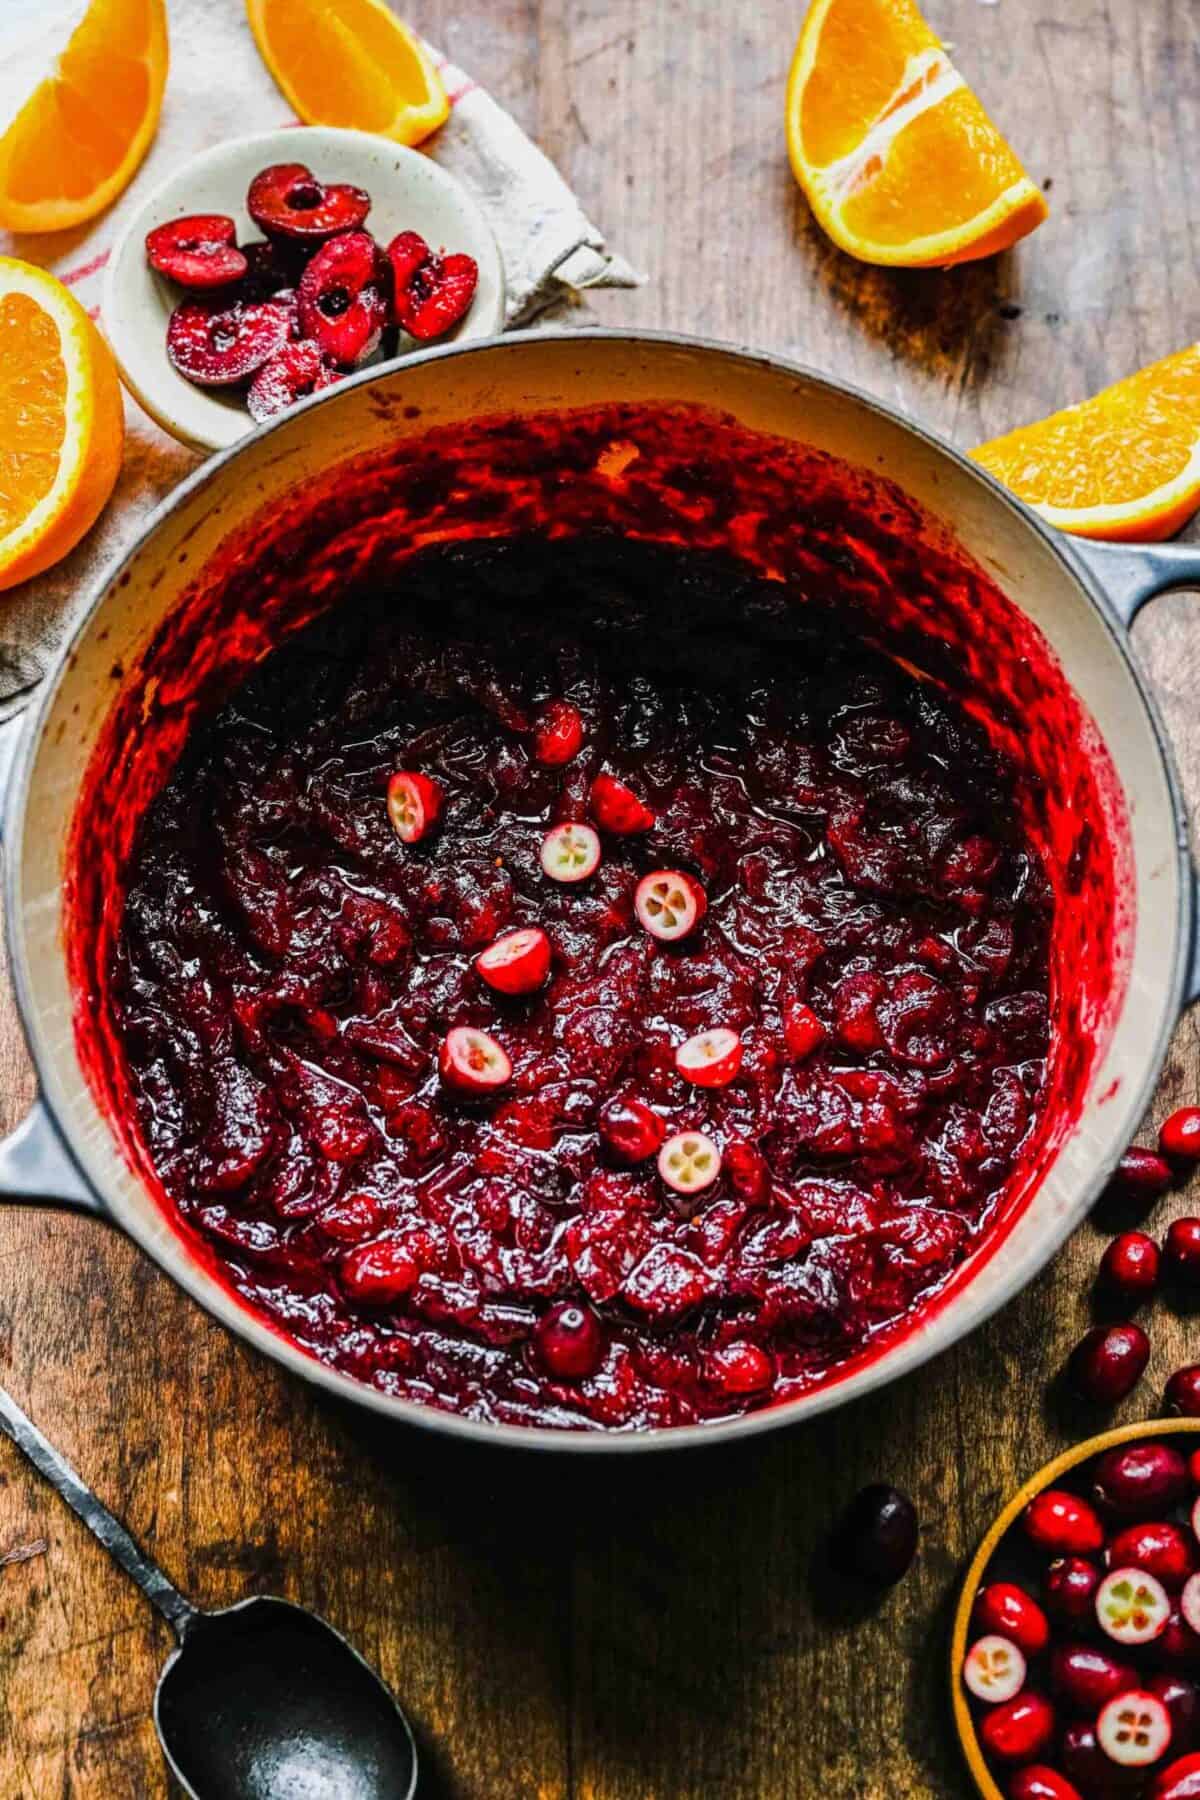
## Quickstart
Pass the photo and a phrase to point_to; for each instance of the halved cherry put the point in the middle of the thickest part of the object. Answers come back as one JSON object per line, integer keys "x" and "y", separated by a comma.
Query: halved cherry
{"x": 292, "y": 374}
{"x": 1134, "y": 1730}
{"x": 557, "y": 734}
{"x": 215, "y": 345}
{"x": 518, "y": 962}
{"x": 994, "y": 1669}
{"x": 1189, "y": 1600}
{"x": 430, "y": 292}
{"x": 413, "y": 802}
{"x": 711, "y": 1059}
{"x": 669, "y": 904}
{"x": 287, "y": 199}
{"x": 197, "y": 252}
{"x": 473, "y": 1061}
{"x": 616, "y": 808}
{"x": 689, "y": 1162}
{"x": 570, "y": 852}
{"x": 341, "y": 301}
{"x": 1132, "y": 1607}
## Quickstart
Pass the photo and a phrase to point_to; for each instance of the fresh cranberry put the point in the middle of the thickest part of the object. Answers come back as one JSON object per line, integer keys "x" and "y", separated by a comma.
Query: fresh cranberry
{"x": 1189, "y": 1602}
{"x": 1129, "y": 1267}
{"x": 291, "y": 374}
{"x": 569, "y": 1341}
{"x": 379, "y": 1273}
{"x": 1179, "y": 1645}
{"x": 1140, "y": 1480}
{"x": 1018, "y": 1731}
{"x": 875, "y": 1539}
{"x": 617, "y": 809}
{"x": 1180, "y": 1780}
{"x": 473, "y": 1061}
{"x": 1086, "y": 1764}
{"x": 570, "y": 852}
{"x": 1002, "y": 1609}
{"x": 430, "y": 293}
{"x": 1179, "y": 1136}
{"x": 711, "y": 1059}
{"x": 1132, "y": 1607}
{"x": 689, "y": 1162}
{"x": 197, "y": 252}
{"x": 1159, "y": 1547}
{"x": 557, "y": 734}
{"x": 740, "y": 1369}
{"x": 1193, "y": 1468}
{"x": 1143, "y": 1173}
{"x": 1134, "y": 1729}
{"x": 341, "y": 299}
{"x": 518, "y": 962}
{"x": 630, "y": 1129}
{"x": 1062, "y": 1523}
{"x": 219, "y": 343}
{"x": 1108, "y": 1362}
{"x": 1181, "y": 1250}
{"x": 287, "y": 200}
{"x": 414, "y": 803}
{"x": 1086, "y": 1677}
{"x": 669, "y": 904}
{"x": 994, "y": 1670}
{"x": 1182, "y": 1701}
{"x": 1182, "y": 1393}
{"x": 747, "y": 1171}
{"x": 1040, "y": 1782}
{"x": 1069, "y": 1588}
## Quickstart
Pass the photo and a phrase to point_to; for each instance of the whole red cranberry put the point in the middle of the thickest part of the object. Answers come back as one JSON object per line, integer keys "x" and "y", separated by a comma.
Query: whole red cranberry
{"x": 1005, "y": 1610}
{"x": 1180, "y": 1780}
{"x": 1069, "y": 1588}
{"x": 1085, "y": 1763}
{"x": 630, "y": 1129}
{"x": 1040, "y": 1782}
{"x": 1179, "y": 1136}
{"x": 740, "y": 1369}
{"x": 1182, "y": 1251}
{"x": 1157, "y": 1546}
{"x": 1061, "y": 1522}
{"x": 1129, "y": 1267}
{"x": 1182, "y": 1392}
{"x": 1193, "y": 1468}
{"x": 876, "y": 1537}
{"x": 1178, "y": 1646}
{"x": 1182, "y": 1701}
{"x": 1086, "y": 1677}
{"x": 1139, "y": 1481}
{"x": 1143, "y": 1173}
{"x": 1107, "y": 1363}
{"x": 569, "y": 1341}
{"x": 1019, "y": 1730}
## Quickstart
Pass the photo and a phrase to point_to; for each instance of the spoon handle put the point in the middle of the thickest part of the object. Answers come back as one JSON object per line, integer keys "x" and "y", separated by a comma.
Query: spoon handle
{"x": 175, "y": 1609}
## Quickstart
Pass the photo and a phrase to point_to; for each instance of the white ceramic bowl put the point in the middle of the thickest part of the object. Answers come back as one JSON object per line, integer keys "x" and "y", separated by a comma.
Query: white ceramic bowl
{"x": 408, "y": 193}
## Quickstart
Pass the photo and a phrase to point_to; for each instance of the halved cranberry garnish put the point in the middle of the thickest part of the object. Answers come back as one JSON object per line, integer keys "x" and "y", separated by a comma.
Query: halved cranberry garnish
{"x": 569, "y": 1341}
{"x": 414, "y": 802}
{"x": 1132, "y": 1607}
{"x": 631, "y": 1129}
{"x": 341, "y": 300}
{"x": 1182, "y": 1392}
{"x": 875, "y": 1539}
{"x": 1179, "y": 1136}
{"x": 557, "y": 734}
{"x": 430, "y": 293}
{"x": 1040, "y": 1782}
{"x": 473, "y": 1061}
{"x": 1069, "y": 1587}
{"x": 994, "y": 1669}
{"x": 1018, "y": 1730}
{"x": 689, "y": 1162}
{"x": 1129, "y": 1267}
{"x": 1143, "y": 1173}
{"x": 288, "y": 199}
{"x": 518, "y": 962}
{"x": 739, "y": 1369}
{"x": 1086, "y": 1677}
{"x": 197, "y": 252}
{"x": 1061, "y": 1522}
{"x": 1134, "y": 1730}
{"x": 292, "y": 374}
{"x": 711, "y": 1059}
{"x": 1180, "y": 1780}
{"x": 380, "y": 1272}
{"x": 617, "y": 809}
{"x": 570, "y": 852}
{"x": 1157, "y": 1546}
{"x": 669, "y": 904}
{"x": 1108, "y": 1362}
{"x": 803, "y": 1032}
{"x": 1139, "y": 1481}
{"x": 1003, "y": 1609}
{"x": 1189, "y": 1600}
{"x": 215, "y": 345}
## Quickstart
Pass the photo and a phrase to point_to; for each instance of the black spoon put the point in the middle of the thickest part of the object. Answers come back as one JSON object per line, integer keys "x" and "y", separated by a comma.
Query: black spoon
{"x": 260, "y": 1701}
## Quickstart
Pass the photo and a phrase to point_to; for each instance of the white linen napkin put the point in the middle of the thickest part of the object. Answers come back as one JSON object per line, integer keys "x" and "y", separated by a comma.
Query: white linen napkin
{"x": 219, "y": 88}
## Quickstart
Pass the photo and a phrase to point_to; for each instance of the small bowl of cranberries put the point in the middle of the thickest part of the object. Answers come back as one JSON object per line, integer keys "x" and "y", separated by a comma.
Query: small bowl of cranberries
{"x": 270, "y": 268}
{"x": 1075, "y": 1659}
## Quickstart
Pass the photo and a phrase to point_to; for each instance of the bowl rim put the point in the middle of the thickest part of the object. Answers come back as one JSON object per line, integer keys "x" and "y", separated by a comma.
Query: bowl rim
{"x": 1043, "y": 1478}
{"x": 830, "y": 1393}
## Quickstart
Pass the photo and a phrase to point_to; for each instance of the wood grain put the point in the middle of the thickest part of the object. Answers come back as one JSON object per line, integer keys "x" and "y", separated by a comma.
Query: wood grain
{"x": 656, "y": 1631}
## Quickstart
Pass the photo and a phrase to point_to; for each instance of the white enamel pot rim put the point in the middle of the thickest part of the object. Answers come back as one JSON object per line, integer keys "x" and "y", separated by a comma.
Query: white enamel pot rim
{"x": 48, "y": 1159}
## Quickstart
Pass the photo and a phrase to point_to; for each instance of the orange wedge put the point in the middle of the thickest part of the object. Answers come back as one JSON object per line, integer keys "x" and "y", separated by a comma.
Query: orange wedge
{"x": 61, "y": 421}
{"x": 1123, "y": 465}
{"x": 352, "y": 63}
{"x": 896, "y": 156}
{"x": 77, "y": 140}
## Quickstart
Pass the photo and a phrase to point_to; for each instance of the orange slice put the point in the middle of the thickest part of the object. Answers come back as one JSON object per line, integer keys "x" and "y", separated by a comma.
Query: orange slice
{"x": 1123, "y": 465}
{"x": 61, "y": 421}
{"x": 896, "y": 156}
{"x": 350, "y": 62}
{"x": 83, "y": 131}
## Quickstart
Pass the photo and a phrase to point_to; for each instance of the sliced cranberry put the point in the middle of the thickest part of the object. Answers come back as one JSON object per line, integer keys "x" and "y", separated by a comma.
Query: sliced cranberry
{"x": 1109, "y": 1362}
{"x": 291, "y": 374}
{"x": 414, "y": 803}
{"x": 1040, "y": 1782}
{"x": 473, "y": 1061}
{"x": 711, "y": 1059}
{"x": 1139, "y": 1481}
{"x": 1180, "y": 1780}
{"x": 197, "y": 252}
{"x": 1129, "y": 1267}
{"x": 739, "y": 1369}
{"x": 569, "y": 1341}
{"x": 1157, "y": 1546}
{"x": 1005, "y": 1610}
{"x": 1181, "y": 1250}
{"x": 632, "y": 1130}
{"x": 1134, "y": 1729}
{"x": 1143, "y": 1173}
{"x": 689, "y": 1162}
{"x": 380, "y": 1272}
{"x": 1179, "y": 1136}
{"x": 1132, "y": 1607}
{"x": 1069, "y": 1588}
{"x": 994, "y": 1669}
{"x": 341, "y": 299}
{"x": 617, "y": 809}
{"x": 287, "y": 199}
{"x": 1189, "y": 1602}
{"x": 803, "y": 1032}
{"x": 557, "y": 734}
{"x": 1086, "y": 1677}
{"x": 570, "y": 852}
{"x": 518, "y": 962}
{"x": 1019, "y": 1730}
{"x": 669, "y": 904}
{"x": 430, "y": 293}
{"x": 1182, "y": 1393}
{"x": 1061, "y": 1522}
{"x": 1182, "y": 1700}
{"x": 875, "y": 1539}
{"x": 217, "y": 345}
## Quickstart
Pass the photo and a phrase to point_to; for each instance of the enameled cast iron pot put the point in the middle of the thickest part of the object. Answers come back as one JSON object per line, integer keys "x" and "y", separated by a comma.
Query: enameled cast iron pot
{"x": 1082, "y": 599}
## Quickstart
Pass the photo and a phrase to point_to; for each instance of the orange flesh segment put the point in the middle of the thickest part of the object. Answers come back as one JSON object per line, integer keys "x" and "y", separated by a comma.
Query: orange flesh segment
{"x": 870, "y": 49}
{"x": 32, "y": 408}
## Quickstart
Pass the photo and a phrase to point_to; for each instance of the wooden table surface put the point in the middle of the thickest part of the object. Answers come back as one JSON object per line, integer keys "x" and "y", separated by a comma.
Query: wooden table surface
{"x": 648, "y": 1630}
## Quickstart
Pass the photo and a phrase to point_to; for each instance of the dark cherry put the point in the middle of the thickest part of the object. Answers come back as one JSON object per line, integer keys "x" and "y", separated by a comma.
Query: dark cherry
{"x": 631, "y": 1130}
{"x": 288, "y": 200}
{"x": 1040, "y": 1782}
{"x": 1129, "y": 1268}
{"x": 1062, "y": 1523}
{"x": 430, "y": 292}
{"x": 1182, "y": 1393}
{"x": 1180, "y": 1780}
{"x": 569, "y": 1341}
{"x": 1179, "y": 1136}
{"x": 1069, "y": 1588}
{"x": 1108, "y": 1362}
{"x": 1143, "y": 1173}
{"x": 197, "y": 252}
{"x": 292, "y": 373}
{"x": 1019, "y": 1730}
{"x": 341, "y": 299}
{"x": 1182, "y": 1700}
{"x": 1086, "y": 1677}
{"x": 1181, "y": 1250}
{"x": 1139, "y": 1481}
{"x": 1159, "y": 1547}
{"x": 218, "y": 345}
{"x": 876, "y": 1537}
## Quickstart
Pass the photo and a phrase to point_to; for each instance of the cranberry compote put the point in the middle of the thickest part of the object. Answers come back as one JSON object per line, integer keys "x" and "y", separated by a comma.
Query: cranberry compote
{"x": 288, "y": 970}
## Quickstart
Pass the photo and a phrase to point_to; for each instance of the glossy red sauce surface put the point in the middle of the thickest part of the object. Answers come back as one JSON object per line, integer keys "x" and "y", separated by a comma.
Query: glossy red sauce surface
{"x": 265, "y": 973}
